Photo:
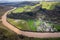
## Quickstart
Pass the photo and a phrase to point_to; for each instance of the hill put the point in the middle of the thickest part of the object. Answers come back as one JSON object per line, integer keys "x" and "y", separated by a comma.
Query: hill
{"x": 40, "y": 17}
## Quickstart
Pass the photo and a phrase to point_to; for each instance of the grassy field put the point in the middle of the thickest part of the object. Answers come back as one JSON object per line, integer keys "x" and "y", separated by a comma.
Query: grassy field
{"x": 23, "y": 9}
{"x": 18, "y": 10}
{"x": 45, "y": 5}
{"x": 49, "y": 5}
{"x": 28, "y": 25}
{"x": 57, "y": 26}
{"x": 31, "y": 25}
{"x": 23, "y": 25}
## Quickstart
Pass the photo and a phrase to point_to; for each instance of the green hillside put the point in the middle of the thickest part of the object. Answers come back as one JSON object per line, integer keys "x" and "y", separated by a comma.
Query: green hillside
{"x": 43, "y": 5}
{"x": 31, "y": 18}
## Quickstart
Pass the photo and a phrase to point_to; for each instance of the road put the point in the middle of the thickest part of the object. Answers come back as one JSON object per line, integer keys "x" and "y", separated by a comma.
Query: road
{"x": 25, "y": 33}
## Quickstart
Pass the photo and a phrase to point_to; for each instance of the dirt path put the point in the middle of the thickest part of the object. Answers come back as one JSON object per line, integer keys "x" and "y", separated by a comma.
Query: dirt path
{"x": 8, "y": 25}
{"x": 29, "y": 34}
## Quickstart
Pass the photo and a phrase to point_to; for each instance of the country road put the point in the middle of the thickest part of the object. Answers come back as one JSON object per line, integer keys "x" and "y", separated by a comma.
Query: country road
{"x": 7, "y": 24}
{"x": 25, "y": 33}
